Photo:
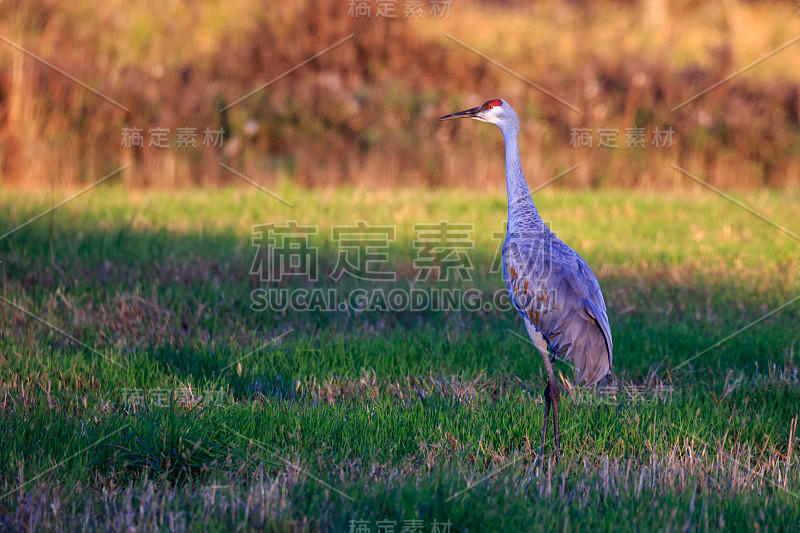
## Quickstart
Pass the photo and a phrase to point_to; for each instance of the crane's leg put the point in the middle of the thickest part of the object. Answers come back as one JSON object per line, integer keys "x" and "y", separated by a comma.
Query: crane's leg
{"x": 551, "y": 396}
{"x": 554, "y": 397}
{"x": 551, "y": 389}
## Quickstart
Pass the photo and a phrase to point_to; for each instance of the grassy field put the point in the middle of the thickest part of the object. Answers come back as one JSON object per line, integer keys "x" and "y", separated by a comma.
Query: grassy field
{"x": 149, "y": 400}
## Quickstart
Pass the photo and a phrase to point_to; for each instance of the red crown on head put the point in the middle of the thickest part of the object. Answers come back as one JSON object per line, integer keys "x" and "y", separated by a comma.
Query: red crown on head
{"x": 490, "y": 104}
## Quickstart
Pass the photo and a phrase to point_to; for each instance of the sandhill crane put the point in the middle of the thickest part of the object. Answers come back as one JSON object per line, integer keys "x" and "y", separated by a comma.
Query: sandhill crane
{"x": 551, "y": 286}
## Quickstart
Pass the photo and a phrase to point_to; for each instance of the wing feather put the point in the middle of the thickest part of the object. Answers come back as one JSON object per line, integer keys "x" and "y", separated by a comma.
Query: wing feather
{"x": 554, "y": 289}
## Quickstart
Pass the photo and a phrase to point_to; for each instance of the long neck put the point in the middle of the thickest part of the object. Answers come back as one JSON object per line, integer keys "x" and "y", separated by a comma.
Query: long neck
{"x": 521, "y": 209}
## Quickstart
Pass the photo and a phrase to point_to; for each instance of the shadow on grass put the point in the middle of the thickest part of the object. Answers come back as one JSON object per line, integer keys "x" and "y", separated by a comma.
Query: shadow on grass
{"x": 185, "y": 302}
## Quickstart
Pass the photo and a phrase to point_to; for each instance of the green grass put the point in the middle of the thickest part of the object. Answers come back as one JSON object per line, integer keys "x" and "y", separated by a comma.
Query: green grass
{"x": 393, "y": 416}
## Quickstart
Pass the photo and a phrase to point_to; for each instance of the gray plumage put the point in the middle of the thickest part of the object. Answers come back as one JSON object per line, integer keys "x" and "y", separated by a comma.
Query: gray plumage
{"x": 551, "y": 286}
{"x": 557, "y": 294}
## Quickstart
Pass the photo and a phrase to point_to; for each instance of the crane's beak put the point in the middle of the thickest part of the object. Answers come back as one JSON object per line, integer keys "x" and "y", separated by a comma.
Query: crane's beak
{"x": 467, "y": 113}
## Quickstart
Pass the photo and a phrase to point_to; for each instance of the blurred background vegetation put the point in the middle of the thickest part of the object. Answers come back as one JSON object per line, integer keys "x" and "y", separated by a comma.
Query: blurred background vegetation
{"x": 365, "y": 113}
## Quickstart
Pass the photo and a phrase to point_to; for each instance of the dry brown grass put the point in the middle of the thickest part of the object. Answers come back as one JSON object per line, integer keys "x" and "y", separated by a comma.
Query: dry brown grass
{"x": 265, "y": 496}
{"x": 366, "y": 112}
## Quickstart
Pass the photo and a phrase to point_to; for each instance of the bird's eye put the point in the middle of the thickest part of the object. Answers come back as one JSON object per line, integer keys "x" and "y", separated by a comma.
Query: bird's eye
{"x": 489, "y": 106}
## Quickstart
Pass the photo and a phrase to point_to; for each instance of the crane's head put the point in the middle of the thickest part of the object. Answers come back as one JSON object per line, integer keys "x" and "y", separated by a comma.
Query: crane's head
{"x": 495, "y": 111}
